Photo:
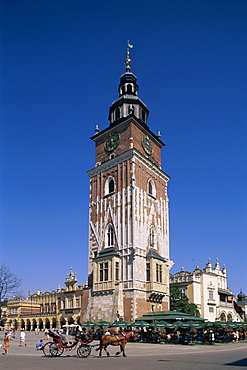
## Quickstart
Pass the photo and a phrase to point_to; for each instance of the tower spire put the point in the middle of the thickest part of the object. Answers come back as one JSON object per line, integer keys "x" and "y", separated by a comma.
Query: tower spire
{"x": 128, "y": 61}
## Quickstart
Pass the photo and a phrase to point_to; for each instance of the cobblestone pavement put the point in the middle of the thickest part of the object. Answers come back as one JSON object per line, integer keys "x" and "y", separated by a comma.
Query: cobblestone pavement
{"x": 140, "y": 355}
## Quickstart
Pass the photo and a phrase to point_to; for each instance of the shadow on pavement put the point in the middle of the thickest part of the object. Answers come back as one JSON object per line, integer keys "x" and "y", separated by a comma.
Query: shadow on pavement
{"x": 242, "y": 362}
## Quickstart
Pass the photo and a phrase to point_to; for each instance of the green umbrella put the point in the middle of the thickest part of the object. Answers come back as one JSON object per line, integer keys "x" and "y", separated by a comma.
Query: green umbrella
{"x": 88, "y": 324}
{"x": 156, "y": 324}
{"x": 232, "y": 324}
{"x": 177, "y": 324}
{"x": 223, "y": 324}
{"x": 103, "y": 323}
{"x": 192, "y": 325}
{"x": 140, "y": 324}
{"x": 185, "y": 325}
{"x": 209, "y": 324}
{"x": 121, "y": 324}
{"x": 165, "y": 324}
{"x": 241, "y": 324}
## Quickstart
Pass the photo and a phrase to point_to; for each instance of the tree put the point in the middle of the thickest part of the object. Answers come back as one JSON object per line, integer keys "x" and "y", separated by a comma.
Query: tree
{"x": 180, "y": 302}
{"x": 9, "y": 284}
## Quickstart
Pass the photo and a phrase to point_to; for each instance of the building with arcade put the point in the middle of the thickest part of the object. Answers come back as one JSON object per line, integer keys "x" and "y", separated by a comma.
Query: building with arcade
{"x": 47, "y": 310}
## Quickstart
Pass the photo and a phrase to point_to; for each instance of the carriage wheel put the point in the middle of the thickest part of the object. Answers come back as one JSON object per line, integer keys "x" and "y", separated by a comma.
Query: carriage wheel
{"x": 55, "y": 350}
{"x": 84, "y": 350}
{"x": 46, "y": 349}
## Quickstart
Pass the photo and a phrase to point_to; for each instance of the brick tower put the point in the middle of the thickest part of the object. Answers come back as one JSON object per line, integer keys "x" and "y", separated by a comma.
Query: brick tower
{"x": 128, "y": 213}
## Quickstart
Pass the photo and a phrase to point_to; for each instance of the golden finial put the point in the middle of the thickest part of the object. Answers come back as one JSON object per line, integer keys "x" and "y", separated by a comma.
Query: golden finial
{"x": 128, "y": 61}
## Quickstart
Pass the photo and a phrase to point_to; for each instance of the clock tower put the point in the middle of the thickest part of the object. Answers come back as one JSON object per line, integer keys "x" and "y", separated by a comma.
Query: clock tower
{"x": 129, "y": 259}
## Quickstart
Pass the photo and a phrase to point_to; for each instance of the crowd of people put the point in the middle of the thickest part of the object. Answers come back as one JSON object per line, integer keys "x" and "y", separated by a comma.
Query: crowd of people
{"x": 142, "y": 335}
{"x": 189, "y": 336}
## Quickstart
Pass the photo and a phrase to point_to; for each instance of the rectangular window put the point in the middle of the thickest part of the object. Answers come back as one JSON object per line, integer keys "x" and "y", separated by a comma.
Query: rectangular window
{"x": 117, "y": 270}
{"x": 158, "y": 273}
{"x": 106, "y": 271}
{"x": 211, "y": 309}
{"x": 148, "y": 271}
{"x": 77, "y": 302}
{"x": 69, "y": 303}
{"x": 211, "y": 295}
{"x": 101, "y": 272}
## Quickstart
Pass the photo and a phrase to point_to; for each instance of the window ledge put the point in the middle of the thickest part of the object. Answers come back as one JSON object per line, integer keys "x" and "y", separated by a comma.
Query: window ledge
{"x": 108, "y": 195}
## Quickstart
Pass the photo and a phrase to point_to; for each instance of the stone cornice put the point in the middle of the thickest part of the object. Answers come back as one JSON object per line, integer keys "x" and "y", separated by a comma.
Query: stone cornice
{"x": 130, "y": 119}
{"x": 130, "y": 154}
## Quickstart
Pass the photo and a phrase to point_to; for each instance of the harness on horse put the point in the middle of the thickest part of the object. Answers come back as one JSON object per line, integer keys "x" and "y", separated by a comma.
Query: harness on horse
{"x": 118, "y": 339}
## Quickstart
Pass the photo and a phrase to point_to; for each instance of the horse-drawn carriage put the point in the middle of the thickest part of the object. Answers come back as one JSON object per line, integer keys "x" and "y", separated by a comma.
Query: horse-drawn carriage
{"x": 81, "y": 343}
{"x": 59, "y": 344}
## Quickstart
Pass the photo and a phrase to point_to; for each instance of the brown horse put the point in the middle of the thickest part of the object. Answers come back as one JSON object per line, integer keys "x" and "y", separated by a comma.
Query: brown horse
{"x": 114, "y": 340}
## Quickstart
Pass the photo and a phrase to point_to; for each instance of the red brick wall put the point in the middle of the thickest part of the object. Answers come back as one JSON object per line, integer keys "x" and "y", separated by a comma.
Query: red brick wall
{"x": 142, "y": 307}
{"x": 127, "y": 130}
{"x": 127, "y": 310}
{"x": 84, "y": 303}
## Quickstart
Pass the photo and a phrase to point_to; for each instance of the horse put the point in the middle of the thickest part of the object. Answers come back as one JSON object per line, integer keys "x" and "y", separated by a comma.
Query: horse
{"x": 114, "y": 340}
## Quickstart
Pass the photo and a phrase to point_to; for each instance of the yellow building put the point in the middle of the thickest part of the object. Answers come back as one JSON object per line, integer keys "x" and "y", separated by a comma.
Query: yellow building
{"x": 46, "y": 310}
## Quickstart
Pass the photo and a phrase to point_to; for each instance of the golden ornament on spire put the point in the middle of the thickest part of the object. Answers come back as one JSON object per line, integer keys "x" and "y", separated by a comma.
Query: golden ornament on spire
{"x": 128, "y": 61}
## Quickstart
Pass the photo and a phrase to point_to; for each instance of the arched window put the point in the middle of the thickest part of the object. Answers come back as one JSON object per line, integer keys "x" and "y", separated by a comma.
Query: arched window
{"x": 129, "y": 88}
{"x": 229, "y": 317}
{"x": 110, "y": 236}
{"x": 223, "y": 317}
{"x": 117, "y": 113}
{"x": 109, "y": 185}
{"x": 151, "y": 188}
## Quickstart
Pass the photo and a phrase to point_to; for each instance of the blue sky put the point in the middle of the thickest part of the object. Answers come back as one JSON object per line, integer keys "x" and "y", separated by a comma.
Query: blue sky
{"x": 60, "y": 66}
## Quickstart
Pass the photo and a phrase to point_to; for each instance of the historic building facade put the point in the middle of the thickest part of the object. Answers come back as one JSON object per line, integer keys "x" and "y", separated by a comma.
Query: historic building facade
{"x": 242, "y": 305}
{"x": 129, "y": 259}
{"x": 207, "y": 288}
{"x": 47, "y": 310}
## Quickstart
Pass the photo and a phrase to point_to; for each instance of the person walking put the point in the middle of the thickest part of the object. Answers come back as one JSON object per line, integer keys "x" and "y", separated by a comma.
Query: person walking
{"x": 22, "y": 338}
{"x": 6, "y": 343}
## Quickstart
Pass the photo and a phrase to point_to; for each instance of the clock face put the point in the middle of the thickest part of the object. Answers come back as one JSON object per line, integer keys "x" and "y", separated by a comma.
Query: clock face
{"x": 112, "y": 141}
{"x": 147, "y": 144}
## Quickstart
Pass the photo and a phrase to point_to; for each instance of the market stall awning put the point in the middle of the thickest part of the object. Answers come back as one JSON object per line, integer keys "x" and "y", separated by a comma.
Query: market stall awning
{"x": 103, "y": 323}
{"x": 88, "y": 324}
{"x": 169, "y": 316}
{"x": 139, "y": 324}
{"x": 120, "y": 324}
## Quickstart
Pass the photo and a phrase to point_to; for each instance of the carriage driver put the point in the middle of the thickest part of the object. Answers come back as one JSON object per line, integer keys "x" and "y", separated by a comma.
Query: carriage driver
{"x": 83, "y": 334}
